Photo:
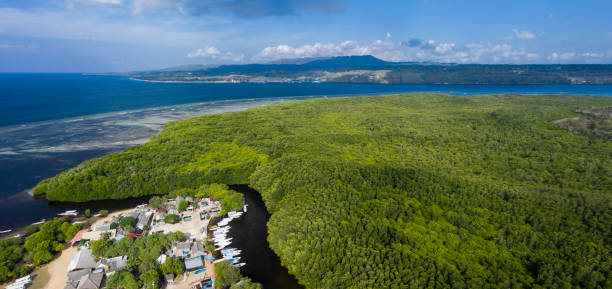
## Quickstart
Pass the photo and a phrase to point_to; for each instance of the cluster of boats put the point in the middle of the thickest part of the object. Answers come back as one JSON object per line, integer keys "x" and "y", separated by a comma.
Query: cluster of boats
{"x": 20, "y": 283}
{"x": 222, "y": 242}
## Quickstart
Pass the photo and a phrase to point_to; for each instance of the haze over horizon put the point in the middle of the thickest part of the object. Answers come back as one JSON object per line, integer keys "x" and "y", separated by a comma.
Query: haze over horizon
{"x": 123, "y": 35}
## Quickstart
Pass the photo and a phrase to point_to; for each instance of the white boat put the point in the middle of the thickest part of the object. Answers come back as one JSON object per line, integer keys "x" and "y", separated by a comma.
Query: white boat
{"x": 71, "y": 213}
{"x": 244, "y": 209}
{"x": 6, "y": 231}
{"x": 27, "y": 278}
{"x": 39, "y": 222}
{"x": 240, "y": 264}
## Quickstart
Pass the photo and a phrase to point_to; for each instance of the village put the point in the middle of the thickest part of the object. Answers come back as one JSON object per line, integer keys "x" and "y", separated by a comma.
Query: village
{"x": 201, "y": 247}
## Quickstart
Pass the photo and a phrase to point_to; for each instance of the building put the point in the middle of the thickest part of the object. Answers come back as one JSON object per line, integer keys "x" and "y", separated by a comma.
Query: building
{"x": 112, "y": 265}
{"x": 81, "y": 264}
{"x": 91, "y": 281}
{"x": 97, "y": 235}
{"x": 161, "y": 259}
{"x": 144, "y": 220}
{"x": 103, "y": 227}
{"x": 194, "y": 263}
{"x": 72, "y": 285}
{"x": 183, "y": 249}
{"x": 78, "y": 236}
{"x": 197, "y": 249}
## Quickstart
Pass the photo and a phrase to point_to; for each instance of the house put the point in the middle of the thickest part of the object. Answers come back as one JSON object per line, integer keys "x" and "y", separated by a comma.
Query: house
{"x": 78, "y": 236}
{"x": 189, "y": 199}
{"x": 161, "y": 259}
{"x": 97, "y": 235}
{"x": 72, "y": 285}
{"x": 103, "y": 227}
{"x": 182, "y": 249}
{"x": 81, "y": 264}
{"x": 134, "y": 236}
{"x": 197, "y": 249}
{"x": 144, "y": 220}
{"x": 91, "y": 281}
{"x": 193, "y": 263}
{"x": 112, "y": 265}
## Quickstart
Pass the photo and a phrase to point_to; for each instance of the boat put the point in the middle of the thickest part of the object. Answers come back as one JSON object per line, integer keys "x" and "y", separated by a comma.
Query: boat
{"x": 71, "y": 213}
{"x": 6, "y": 231}
{"x": 240, "y": 264}
{"x": 39, "y": 222}
{"x": 244, "y": 209}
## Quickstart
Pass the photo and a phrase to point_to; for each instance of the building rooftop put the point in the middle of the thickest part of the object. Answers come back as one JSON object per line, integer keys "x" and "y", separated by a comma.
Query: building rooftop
{"x": 82, "y": 259}
{"x": 193, "y": 263}
{"x": 91, "y": 281}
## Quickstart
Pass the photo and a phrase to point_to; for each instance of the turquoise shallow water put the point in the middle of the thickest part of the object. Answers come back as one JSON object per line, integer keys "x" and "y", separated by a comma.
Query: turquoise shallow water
{"x": 51, "y": 122}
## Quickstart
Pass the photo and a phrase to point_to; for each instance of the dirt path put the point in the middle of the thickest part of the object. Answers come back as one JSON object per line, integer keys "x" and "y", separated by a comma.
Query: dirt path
{"x": 53, "y": 275}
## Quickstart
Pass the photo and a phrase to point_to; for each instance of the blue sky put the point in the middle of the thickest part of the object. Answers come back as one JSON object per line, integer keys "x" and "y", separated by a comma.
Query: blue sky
{"x": 123, "y": 35}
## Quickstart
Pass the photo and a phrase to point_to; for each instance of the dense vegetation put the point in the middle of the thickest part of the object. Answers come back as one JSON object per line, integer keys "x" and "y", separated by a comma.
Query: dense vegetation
{"x": 400, "y": 191}
{"x": 230, "y": 199}
{"x": 227, "y": 274}
{"x": 142, "y": 268}
{"x": 17, "y": 258}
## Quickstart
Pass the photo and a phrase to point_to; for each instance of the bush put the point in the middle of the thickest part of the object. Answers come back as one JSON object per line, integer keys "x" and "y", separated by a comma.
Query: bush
{"x": 122, "y": 279}
{"x": 173, "y": 266}
{"x": 246, "y": 283}
{"x": 151, "y": 280}
{"x": 103, "y": 213}
{"x": 182, "y": 205}
{"x": 171, "y": 219}
{"x": 87, "y": 212}
{"x": 155, "y": 202}
{"x": 226, "y": 274}
{"x": 31, "y": 229}
{"x": 127, "y": 223}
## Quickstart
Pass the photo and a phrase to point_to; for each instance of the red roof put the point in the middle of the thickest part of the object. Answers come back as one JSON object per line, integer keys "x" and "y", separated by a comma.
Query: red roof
{"x": 133, "y": 235}
{"x": 78, "y": 236}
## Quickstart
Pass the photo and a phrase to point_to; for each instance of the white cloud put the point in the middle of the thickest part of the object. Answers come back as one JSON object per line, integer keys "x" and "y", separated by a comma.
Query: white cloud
{"x": 444, "y": 48}
{"x": 212, "y": 52}
{"x": 523, "y": 34}
{"x": 70, "y": 3}
{"x": 68, "y": 25}
{"x": 481, "y": 52}
{"x": 388, "y": 35}
{"x": 382, "y": 49}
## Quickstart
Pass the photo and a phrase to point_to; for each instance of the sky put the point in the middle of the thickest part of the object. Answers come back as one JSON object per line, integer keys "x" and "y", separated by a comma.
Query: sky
{"x": 127, "y": 35}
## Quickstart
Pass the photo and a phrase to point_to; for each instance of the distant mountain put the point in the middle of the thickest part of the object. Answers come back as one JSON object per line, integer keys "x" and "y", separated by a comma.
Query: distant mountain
{"x": 369, "y": 69}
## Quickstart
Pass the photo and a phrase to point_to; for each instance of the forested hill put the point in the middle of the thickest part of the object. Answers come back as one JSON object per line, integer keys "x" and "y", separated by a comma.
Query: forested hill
{"x": 398, "y": 191}
{"x": 369, "y": 69}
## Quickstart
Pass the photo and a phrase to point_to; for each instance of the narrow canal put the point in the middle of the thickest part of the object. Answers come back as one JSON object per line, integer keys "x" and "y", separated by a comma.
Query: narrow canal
{"x": 250, "y": 235}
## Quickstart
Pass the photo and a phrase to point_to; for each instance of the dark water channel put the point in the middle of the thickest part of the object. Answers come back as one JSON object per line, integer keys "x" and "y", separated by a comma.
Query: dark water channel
{"x": 250, "y": 235}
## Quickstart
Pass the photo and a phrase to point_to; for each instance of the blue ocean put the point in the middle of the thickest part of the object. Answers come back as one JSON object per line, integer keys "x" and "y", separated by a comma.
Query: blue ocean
{"x": 51, "y": 122}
